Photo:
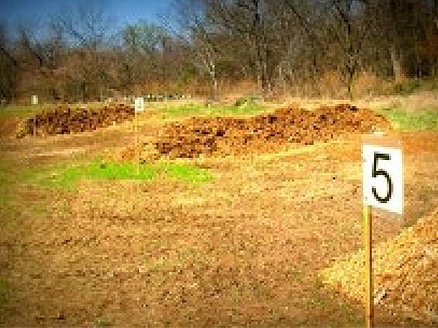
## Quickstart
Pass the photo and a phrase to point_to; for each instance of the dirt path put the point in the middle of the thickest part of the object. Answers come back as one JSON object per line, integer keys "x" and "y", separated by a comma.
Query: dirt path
{"x": 243, "y": 250}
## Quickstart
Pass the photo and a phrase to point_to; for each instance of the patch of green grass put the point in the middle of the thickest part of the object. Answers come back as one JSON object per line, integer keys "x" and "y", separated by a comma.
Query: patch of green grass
{"x": 246, "y": 108}
{"x": 66, "y": 177}
{"x": 182, "y": 110}
{"x": 187, "y": 173}
{"x": 21, "y": 111}
{"x": 60, "y": 176}
{"x": 241, "y": 109}
{"x": 103, "y": 323}
{"x": 402, "y": 119}
{"x": 115, "y": 171}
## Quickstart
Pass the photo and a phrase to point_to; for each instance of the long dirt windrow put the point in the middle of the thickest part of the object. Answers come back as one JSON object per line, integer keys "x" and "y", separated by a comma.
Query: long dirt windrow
{"x": 68, "y": 120}
{"x": 226, "y": 135}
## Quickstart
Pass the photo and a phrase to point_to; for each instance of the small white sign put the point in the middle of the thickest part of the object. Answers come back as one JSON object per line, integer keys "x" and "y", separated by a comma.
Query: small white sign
{"x": 382, "y": 177}
{"x": 34, "y": 100}
{"x": 139, "y": 105}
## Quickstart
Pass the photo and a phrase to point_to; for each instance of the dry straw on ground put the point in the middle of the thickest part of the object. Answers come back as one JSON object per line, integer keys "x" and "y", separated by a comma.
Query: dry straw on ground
{"x": 405, "y": 272}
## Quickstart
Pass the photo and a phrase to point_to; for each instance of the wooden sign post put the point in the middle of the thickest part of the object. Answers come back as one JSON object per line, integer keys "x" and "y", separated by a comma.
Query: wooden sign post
{"x": 367, "y": 228}
{"x": 382, "y": 182}
{"x": 138, "y": 108}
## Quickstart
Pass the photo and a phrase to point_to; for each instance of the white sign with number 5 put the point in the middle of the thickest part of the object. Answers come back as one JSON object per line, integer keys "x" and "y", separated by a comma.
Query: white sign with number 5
{"x": 382, "y": 175}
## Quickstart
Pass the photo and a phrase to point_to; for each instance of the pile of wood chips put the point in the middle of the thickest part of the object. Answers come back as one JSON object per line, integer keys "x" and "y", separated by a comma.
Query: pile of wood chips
{"x": 405, "y": 272}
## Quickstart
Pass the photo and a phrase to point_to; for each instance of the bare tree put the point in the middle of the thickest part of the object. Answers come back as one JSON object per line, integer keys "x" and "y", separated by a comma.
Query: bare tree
{"x": 247, "y": 20}
{"x": 200, "y": 35}
{"x": 350, "y": 30}
{"x": 9, "y": 69}
{"x": 42, "y": 57}
{"x": 399, "y": 27}
{"x": 338, "y": 31}
{"x": 88, "y": 28}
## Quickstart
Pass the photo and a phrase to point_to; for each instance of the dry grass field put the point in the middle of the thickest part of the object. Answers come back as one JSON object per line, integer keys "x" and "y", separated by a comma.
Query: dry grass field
{"x": 211, "y": 241}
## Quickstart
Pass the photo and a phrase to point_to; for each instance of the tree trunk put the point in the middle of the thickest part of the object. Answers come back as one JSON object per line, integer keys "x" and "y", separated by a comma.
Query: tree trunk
{"x": 397, "y": 65}
{"x": 215, "y": 89}
{"x": 215, "y": 84}
{"x": 350, "y": 78}
{"x": 281, "y": 79}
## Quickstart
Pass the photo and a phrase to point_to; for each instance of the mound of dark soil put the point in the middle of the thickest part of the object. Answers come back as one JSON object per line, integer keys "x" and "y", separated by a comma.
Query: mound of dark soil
{"x": 68, "y": 120}
{"x": 9, "y": 126}
{"x": 226, "y": 135}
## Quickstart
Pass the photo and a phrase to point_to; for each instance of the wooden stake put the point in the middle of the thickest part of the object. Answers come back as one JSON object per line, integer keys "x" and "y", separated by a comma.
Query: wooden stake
{"x": 137, "y": 160}
{"x": 368, "y": 257}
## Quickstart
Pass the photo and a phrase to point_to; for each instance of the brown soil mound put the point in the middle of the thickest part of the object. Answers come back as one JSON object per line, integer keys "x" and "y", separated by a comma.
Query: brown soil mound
{"x": 9, "y": 126}
{"x": 232, "y": 135}
{"x": 67, "y": 120}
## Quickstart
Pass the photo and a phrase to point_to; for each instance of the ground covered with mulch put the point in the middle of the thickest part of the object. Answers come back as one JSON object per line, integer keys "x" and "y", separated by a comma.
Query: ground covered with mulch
{"x": 227, "y": 135}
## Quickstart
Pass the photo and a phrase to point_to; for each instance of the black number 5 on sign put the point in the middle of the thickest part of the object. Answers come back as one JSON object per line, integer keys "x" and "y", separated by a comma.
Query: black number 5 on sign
{"x": 376, "y": 172}
{"x": 382, "y": 175}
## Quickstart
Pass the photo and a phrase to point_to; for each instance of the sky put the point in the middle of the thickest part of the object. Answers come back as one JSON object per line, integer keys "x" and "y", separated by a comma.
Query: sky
{"x": 121, "y": 11}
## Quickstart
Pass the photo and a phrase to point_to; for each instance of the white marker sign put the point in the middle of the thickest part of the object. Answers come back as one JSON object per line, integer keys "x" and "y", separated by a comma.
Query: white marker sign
{"x": 139, "y": 105}
{"x": 382, "y": 176}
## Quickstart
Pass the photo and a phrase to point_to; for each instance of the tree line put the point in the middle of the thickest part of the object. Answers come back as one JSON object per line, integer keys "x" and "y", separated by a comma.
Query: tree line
{"x": 279, "y": 46}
